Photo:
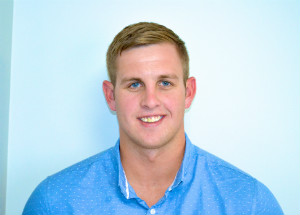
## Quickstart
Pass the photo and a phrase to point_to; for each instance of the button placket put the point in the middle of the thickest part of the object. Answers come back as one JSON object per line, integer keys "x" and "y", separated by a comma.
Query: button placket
{"x": 152, "y": 211}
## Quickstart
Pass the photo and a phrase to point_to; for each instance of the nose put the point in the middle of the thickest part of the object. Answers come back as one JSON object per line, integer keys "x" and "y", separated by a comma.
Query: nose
{"x": 150, "y": 98}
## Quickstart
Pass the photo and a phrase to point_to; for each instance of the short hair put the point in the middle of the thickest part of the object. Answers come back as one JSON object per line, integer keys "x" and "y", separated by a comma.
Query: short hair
{"x": 142, "y": 34}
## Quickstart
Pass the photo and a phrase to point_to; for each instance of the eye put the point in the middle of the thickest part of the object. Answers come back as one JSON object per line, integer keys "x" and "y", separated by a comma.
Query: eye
{"x": 165, "y": 83}
{"x": 135, "y": 85}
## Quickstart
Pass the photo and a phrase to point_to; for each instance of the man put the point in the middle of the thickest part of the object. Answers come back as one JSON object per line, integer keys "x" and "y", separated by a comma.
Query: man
{"x": 153, "y": 168}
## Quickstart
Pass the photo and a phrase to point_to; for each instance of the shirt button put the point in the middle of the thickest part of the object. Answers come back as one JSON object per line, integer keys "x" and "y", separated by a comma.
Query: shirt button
{"x": 152, "y": 211}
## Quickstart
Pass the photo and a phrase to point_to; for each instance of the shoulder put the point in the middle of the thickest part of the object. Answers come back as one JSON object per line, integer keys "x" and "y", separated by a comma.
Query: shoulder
{"x": 221, "y": 177}
{"x": 86, "y": 168}
{"x": 236, "y": 187}
{"x": 220, "y": 169}
{"x": 72, "y": 182}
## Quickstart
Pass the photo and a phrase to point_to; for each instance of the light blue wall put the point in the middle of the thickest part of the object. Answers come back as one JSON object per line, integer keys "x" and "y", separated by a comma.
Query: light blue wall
{"x": 6, "y": 16}
{"x": 244, "y": 54}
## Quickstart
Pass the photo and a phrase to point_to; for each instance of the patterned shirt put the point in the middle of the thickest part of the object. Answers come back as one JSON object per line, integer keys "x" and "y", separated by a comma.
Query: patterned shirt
{"x": 203, "y": 185}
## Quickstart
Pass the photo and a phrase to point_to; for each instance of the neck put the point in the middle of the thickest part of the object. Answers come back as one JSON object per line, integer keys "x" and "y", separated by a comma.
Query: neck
{"x": 152, "y": 171}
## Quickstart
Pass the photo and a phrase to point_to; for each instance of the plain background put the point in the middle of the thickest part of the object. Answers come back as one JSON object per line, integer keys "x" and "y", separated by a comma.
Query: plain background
{"x": 6, "y": 15}
{"x": 245, "y": 56}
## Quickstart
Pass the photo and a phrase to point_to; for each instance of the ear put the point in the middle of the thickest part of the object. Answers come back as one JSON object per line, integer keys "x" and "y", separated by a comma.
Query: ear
{"x": 108, "y": 90}
{"x": 190, "y": 91}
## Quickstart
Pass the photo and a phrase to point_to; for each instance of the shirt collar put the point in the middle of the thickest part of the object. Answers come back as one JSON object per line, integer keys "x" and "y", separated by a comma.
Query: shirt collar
{"x": 180, "y": 176}
{"x": 124, "y": 185}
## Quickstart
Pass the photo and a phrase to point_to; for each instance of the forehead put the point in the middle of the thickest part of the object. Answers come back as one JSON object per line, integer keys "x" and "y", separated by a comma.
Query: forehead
{"x": 149, "y": 61}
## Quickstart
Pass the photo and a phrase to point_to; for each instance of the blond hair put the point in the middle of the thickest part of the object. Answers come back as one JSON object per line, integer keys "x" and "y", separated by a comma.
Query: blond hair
{"x": 141, "y": 34}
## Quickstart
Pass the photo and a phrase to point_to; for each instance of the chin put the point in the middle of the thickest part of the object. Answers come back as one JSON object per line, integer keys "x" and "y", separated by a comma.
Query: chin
{"x": 152, "y": 142}
{"x": 151, "y": 145}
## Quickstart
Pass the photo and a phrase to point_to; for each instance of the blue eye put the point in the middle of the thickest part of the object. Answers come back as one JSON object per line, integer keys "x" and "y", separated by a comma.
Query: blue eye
{"x": 165, "y": 83}
{"x": 135, "y": 85}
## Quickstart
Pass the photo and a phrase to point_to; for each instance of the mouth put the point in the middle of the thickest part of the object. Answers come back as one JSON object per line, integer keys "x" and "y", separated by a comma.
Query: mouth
{"x": 151, "y": 119}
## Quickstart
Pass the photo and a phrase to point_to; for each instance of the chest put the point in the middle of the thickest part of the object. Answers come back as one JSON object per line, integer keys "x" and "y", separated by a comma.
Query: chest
{"x": 185, "y": 199}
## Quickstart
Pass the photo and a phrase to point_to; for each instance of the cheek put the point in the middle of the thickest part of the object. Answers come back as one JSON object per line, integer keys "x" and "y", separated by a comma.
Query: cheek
{"x": 126, "y": 105}
{"x": 175, "y": 103}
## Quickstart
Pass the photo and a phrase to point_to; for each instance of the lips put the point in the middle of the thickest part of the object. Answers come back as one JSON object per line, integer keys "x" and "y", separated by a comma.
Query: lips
{"x": 151, "y": 119}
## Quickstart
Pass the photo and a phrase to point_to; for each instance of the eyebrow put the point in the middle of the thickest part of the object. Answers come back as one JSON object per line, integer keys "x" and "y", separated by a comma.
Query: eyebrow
{"x": 172, "y": 76}
{"x": 125, "y": 80}
{"x": 135, "y": 79}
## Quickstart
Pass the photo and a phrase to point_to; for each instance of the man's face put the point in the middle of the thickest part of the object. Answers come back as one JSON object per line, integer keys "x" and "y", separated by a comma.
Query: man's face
{"x": 150, "y": 95}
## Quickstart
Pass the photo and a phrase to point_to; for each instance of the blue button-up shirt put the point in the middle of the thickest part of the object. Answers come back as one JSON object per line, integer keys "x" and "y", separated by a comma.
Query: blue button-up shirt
{"x": 204, "y": 185}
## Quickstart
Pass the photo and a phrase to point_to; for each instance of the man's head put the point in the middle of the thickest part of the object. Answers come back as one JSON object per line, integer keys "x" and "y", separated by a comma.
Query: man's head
{"x": 143, "y": 34}
{"x": 149, "y": 90}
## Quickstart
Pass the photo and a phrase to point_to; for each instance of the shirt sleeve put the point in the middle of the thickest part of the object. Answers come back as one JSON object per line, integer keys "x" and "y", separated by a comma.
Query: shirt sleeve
{"x": 265, "y": 203}
{"x": 37, "y": 202}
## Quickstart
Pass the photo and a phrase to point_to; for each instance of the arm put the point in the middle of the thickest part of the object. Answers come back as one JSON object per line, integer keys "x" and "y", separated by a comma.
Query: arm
{"x": 265, "y": 202}
{"x": 37, "y": 202}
